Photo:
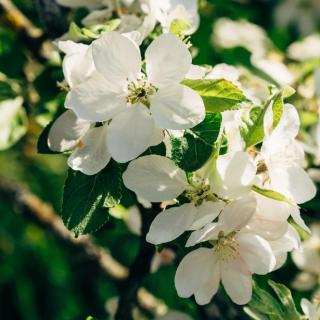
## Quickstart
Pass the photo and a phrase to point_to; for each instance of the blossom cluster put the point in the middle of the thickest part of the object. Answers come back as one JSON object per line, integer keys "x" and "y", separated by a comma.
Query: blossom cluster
{"x": 236, "y": 213}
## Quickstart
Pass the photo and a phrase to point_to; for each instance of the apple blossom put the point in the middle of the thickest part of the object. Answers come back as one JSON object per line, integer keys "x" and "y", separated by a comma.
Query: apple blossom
{"x": 284, "y": 157}
{"x": 234, "y": 257}
{"x": 139, "y": 105}
{"x": 311, "y": 310}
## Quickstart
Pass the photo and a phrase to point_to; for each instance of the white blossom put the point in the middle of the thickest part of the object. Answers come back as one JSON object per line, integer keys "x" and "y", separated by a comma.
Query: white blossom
{"x": 140, "y": 106}
{"x": 311, "y": 310}
{"x": 284, "y": 157}
{"x": 234, "y": 257}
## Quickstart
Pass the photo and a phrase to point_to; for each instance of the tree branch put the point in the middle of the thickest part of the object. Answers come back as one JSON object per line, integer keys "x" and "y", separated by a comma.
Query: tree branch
{"x": 139, "y": 269}
{"x": 44, "y": 216}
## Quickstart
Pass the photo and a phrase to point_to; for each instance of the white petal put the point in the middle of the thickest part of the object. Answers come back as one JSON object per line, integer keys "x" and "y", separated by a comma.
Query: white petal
{"x": 206, "y": 213}
{"x": 270, "y": 219}
{"x": 92, "y": 100}
{"x": 257, "y": 253}
{"x": 93, "y": 155}
{"x": 177, "y": 107}
{"x": 309, "y": 309}
{"x": 236, "y": 279}
{"x": 66, "y": 132}
{"x": 130, "y": 133}
{"x": 289, "y": 124}
{"x": 234, "y": 176}
{"x": 155, "y": 178}
{"x": 168, "y": 60}
{"x": 198, "y": 274}
{"x": 77, "y": 55}
{"x": 293, "y": 182}
{"x": 171, "y": 223}
{"x": 196, "y": 72}
{"x": 296, "y": 216}
{"x": 209, "y": 232}
{"x": 157, "y": 136}
{"x": 237, "y": 214}
{"x": 116, "y": 57}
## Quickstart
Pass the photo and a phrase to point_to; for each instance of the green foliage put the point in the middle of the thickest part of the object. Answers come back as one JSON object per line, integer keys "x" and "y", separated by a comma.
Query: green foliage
{"x": 87, "y": 198}
{"x": 254, "y": 133}
{"x": 265, "y": 306}
{"x": 272, "y": 195}
{"x": 218, "y": 95}
{"x": 194, "y": 148}
{"x": 77, "y": 33}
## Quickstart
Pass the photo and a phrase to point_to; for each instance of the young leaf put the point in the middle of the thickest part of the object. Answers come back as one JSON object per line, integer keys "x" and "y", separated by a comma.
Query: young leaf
{"x": 263, "y": 303}
{"x": 217, "y": 95}
{"x": 191, "y": 151}
{"x": 254, "y": 134}
{"x": 273, "y": 195}
{"x": 86, "y": 198}
{"x": 285, "y": 296}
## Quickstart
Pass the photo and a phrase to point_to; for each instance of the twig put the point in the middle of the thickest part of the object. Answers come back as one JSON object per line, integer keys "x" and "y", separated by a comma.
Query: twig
{"x": 19, "y": 20}
{"x": 139, "y": 269}
{"x": 43, "y": 215}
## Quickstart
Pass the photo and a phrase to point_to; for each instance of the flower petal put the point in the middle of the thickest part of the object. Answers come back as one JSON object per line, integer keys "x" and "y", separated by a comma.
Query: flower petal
{"x": 257, "y": 253}
{"x": 171, "y": 223}
{"x": 116, "y": 57}
{"x": 130, "y": 133}
{"x": 177, "y": 107}
{"x": 77, "y": 54}
{"x": 168, "y": 60}
{"x": 237, "y": 281}
{"x": 237, "y": 214}
{"x": 234, "y": 176}
{"x": 155, "y": 178}
{"x": 198, "y": 274}
{"x": 93, "y": 101}
{"x": 66, "y": 132}
{"x": 293, "y": 182}
{"x": 206, "y": 213}
{"x": 209, "y": 232}
{"x": 93, "y": 155}
{"x": 296, "y": 216}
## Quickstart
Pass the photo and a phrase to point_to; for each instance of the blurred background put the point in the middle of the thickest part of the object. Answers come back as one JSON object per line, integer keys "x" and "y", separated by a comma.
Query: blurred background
{"x": 44, "y": 272}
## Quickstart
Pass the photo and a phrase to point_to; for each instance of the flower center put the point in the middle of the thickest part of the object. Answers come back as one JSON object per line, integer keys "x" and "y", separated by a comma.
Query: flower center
{"x": 139, "y": 92}
{"x": 226, "y": 247}
{"x": 199, "y": 191}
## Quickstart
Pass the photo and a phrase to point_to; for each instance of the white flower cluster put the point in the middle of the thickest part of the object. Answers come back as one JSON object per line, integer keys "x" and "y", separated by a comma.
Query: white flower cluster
{"x": 120, "y": 104}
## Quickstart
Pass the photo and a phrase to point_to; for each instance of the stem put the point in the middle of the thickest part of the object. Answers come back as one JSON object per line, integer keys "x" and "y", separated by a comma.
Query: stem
{"x": 140, "y": 267}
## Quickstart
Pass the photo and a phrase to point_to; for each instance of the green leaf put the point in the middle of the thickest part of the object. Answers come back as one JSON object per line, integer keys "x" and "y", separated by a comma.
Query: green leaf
{"x": 285, "y": 296}
{"x": 13, "y": 122}
{"x": 217, "y": 95}
{"x": 86, "y": 198}
{"x": 191, "y": 151}
{"x": 273, "y": 195}
{"x": 254, "y": 133}
{"x": 263, "y": 303}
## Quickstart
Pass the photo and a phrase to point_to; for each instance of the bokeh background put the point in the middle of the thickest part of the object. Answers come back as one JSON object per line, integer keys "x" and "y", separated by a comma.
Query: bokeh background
{"x": 43, "y": 274}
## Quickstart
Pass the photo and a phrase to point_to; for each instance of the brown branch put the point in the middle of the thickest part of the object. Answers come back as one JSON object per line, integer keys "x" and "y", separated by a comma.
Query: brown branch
{"x": 44, "y": 216}
{"x": 139, "y": 269}
{"x": 18, "y": 20}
